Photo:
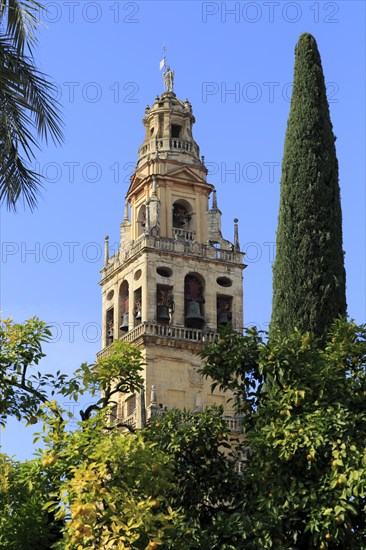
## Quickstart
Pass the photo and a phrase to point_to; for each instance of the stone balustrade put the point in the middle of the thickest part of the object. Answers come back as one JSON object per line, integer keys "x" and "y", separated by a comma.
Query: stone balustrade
{"x": 234, "y": 423}
{"x": 163, "y": 331}
{"x": 167, "y": 144}
{"x": 183, "y": 243}
{"x": 184, "y": 234}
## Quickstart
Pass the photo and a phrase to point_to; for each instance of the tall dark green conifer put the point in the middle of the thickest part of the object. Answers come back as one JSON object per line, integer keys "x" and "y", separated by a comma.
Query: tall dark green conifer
{"x": 308, "y": 273}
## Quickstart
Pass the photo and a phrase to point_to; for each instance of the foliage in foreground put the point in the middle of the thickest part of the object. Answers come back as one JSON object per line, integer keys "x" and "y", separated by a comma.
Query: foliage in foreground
{"x": 174, "y": 484}
{"x": 207, "y": 487}
{"x": 305, "y": 424}
{"x": 95, "y": 486}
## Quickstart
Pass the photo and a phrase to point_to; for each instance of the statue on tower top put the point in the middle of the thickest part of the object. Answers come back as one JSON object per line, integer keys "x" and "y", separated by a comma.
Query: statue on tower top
{"x": 168, "y": 74}
{"x": 169, "y": 80}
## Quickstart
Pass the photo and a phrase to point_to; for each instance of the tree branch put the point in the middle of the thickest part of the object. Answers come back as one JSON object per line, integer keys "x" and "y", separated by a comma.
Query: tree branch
{"x": 36, "y": 394}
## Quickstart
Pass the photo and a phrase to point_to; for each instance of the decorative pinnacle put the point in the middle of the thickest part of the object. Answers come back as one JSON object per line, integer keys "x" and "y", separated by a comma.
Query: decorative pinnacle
{"x": 214, "y": 200}
{"x": 106, "y": 250}
{"x": 153, "y": 396}
{"x": 236, "y": 235}
{"x": 198, "y": 404}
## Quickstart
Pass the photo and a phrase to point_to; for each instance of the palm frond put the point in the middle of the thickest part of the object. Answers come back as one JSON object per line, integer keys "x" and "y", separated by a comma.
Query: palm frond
{"x": 29, "y": 88}
{"x": 28, "y": 110}
{"x": 17, "y": 179}
{"x": 22, "y": 19}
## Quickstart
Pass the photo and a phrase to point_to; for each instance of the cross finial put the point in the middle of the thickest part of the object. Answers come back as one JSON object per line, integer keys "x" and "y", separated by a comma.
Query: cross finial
{"x": 163, "y": 61}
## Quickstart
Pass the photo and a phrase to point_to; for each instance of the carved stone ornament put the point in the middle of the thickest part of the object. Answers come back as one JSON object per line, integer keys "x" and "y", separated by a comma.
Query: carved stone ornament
{"x": 195, "y": 378}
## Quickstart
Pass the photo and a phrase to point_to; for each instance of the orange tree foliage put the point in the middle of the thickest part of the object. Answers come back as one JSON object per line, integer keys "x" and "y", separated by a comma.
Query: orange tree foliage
{"x": 304, "y": 414}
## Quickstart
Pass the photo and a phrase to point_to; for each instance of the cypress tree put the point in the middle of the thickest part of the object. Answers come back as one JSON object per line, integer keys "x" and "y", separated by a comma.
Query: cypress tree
{"x": 308, "y": 273}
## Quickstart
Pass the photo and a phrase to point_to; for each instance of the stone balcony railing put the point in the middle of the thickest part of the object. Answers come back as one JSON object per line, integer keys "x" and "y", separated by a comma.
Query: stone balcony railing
{"x": 161, "y": 145}
{"x": 184, "y": 234}
{"x": 234, "y": 423}
{"x": 130, "y": 420}
{"x": 163, "y": 331}
{"x": 181, "y": 244}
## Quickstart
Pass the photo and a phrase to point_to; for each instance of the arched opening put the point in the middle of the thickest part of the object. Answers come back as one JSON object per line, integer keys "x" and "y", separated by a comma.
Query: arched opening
{"x": 182, "y": 220}
{"x": 194, "y": 299}
{"x": 141, "y": 220}
{"x": 182, "y": 214}
{"x": 124, "y": 307}
{"x": 164, "y": 304}
{"x": 110, "y": 326}
{"x": 175, "y": 130}
{"x": 137, "y": 306}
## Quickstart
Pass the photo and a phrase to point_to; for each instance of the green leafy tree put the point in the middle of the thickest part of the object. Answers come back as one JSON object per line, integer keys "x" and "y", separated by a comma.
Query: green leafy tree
{"x": 21, "y": 390}
{"x": 207, "y": 486}
{"x": 305, "y": 430}
{"x": 308, "y": 273}
{"x": 97, "y": 486}
{"x": 109, "y": 488}
{"x": 28, "y": 110}
{"x": 24, "y": 490}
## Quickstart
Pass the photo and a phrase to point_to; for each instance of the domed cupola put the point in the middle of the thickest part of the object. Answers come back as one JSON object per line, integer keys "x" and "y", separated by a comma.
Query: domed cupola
{"x": 168, "y": 123}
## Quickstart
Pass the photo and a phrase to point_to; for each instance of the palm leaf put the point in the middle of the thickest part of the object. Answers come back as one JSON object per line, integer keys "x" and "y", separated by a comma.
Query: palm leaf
{"x": 27, "y": 109}
{"x": 22, "y": 19}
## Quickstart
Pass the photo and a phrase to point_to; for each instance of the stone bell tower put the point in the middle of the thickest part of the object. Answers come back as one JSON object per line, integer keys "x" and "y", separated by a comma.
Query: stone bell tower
{"x": 174, "y": 279}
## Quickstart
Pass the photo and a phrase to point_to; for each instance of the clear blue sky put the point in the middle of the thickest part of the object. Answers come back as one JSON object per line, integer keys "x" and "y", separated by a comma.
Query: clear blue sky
{"x": 104, "y": 57}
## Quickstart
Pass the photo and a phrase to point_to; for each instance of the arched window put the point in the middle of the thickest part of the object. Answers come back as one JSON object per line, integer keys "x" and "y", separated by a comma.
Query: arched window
{"x": 124, "y": 307}
{"x": 194, "y": 290}
{"x": 137, "y": 306}
{"x": 183, "y": 220}
{"x": 110, "y": 326}
{"x": 141, "y": 220}
{"x": 182, "y": 214}
{"x": 224, "y": 305}
{"x": 164, "y": 304}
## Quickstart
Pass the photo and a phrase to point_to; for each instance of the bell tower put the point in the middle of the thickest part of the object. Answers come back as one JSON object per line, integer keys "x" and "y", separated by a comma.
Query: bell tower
{"x": 174, "y": 279}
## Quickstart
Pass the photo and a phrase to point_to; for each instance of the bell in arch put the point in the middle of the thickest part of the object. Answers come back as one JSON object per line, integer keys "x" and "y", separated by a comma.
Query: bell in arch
{"x": 180, "y": 215}
{"x": 224, "y": 310}
{"x": 163, "y": 313}
{"x": 193, "y": 317}
{"x": 137, "y": 309}
{"x": 124, "y": 324}
{"x": 224, "y": 318}
{"x": 110, "y": 329}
